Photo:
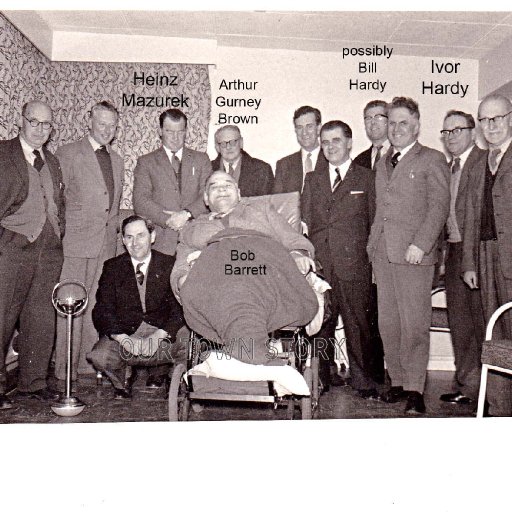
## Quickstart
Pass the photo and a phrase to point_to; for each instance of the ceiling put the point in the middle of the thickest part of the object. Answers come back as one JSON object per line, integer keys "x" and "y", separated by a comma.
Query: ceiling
{"x": 438, "y": 34}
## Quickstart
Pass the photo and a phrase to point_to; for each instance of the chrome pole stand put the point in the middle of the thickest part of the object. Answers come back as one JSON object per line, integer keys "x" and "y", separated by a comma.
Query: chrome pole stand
{"x": 69, "y": 307}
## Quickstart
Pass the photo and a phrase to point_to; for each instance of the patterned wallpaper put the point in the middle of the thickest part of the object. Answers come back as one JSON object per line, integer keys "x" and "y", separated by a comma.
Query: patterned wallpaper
{"x": 71, "y": 88}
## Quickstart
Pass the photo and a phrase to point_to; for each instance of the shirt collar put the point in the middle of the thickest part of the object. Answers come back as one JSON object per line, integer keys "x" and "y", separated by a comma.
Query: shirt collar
{"x": 503, "y": 147}
{"x": 344, "y": 167}
{"x": 314, "y": 153}
{"x": 145, "y": 263}
{"x": 225, "y": 165}
{"x": 96, "y": 145}
{"x": 384, "y": 150}
{"x": 28, "y": 151}
{"x": 404, "y": 151}
{"x": 178, "y": 153}
{"x": 464, "y": 156}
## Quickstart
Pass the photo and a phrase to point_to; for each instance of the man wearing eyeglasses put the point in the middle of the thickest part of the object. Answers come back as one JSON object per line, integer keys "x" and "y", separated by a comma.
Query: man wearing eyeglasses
{"x": 169, "y": 182}
{"x": 376, "y": 127}
{"x": 291, "y": 170}
{"x": 253, "y": 176}
{"x": 31, "y": 227}
{"x": 487, "y": 245}
{"x": 93, "y": 175}
{"x": 413, "y": 201}
{"x": 465, "y": 313}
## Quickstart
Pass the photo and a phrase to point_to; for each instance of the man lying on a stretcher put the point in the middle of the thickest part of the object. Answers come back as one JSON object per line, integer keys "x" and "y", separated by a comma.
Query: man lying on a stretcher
{"x": 239, "y": 273}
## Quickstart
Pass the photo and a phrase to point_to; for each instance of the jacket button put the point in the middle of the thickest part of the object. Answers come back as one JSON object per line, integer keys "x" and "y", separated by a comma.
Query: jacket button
{"x": 385, "y": 218}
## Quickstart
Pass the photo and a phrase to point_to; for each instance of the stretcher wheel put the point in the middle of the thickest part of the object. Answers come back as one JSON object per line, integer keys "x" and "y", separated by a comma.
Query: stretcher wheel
{"x": 179, "y": 403}
{"x": 305, "y": 402}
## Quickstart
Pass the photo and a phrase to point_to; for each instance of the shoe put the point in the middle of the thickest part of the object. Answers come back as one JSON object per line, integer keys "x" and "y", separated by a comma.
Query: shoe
{"x": 156, "y": 382}
{"x": 5, "y": 403}
{"x": 368, "y": 394}
{"x": 338, "y": 381}
{"x": 415, "y": 403}
{"x": 44, "y": 395}
{"x": 122, "y": 394}
{"x": 456, "y": 398}
{"x": 394, "y": 394}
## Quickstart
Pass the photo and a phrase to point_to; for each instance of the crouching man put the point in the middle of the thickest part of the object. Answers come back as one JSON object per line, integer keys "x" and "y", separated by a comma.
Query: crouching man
{"x": 136, "y": 314}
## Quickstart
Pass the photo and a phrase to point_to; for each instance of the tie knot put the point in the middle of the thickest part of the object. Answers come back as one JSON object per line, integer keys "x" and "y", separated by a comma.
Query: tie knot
{"x": 139, "y": 274}
{"x": 101, "y": 149}
{"x": 38, "y": 161}
{"x": 379, "y": 147}
{"x": 309, "y": 155}
{"x": 455, "y": 165}
{"x": 394, "y": 159}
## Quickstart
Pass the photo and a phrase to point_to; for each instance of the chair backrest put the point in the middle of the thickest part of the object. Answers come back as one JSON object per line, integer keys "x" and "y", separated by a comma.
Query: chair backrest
{"x": 287, "y": 205}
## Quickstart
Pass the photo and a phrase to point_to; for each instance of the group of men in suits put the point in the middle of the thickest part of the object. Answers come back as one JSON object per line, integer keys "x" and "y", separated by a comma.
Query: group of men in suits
{"x": 383, "y": 211}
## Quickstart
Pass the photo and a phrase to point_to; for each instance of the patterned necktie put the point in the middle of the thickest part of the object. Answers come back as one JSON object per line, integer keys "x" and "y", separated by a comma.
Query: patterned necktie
{"x": 337, "y": 179}
{"x": 308, "y": 164}
{"x": 394, "y": 159}
{"x": 493, "y": 160}
{"x": 176, "y": 165}
{"x": 139, "y": 274}
{"x": 377, "y": 155}
{"x": 231, "y": 170}
{"x": 38, "y": 162}
{"x": 456, "y": 165}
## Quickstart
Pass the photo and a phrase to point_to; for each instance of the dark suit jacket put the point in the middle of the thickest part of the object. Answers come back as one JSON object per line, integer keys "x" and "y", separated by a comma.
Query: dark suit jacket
{"x": 290, "y": 174}
{"x": 413, "y": 203}
{"x": 364, "y": 159}
{"x": 89, "y": 216}
{"x": 156, "y": 189}
{"x": 256, "y": 177}
{"x": 339, "y": 223}
{"x": 502, "y": 202}
{"x": 474, "y": 162}
{"x": 118, "y": 309}
{"x": 14, "y": 181}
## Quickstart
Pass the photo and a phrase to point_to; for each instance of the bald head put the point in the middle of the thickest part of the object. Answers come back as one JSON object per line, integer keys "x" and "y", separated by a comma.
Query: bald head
{"x": 35, "y": 123}
{"x": 221, "y": 193}
{"x": 495, "y": 119}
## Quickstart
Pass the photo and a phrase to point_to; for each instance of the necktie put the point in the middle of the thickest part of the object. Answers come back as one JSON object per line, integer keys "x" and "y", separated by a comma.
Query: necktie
{"x": 231, "y": 170}
{"x": 337, "y": 179}
{"x": 456, "y": 165}
{"x": 176, "y": 165}
{"x": 394, "y": 159}
{"x": 308, "y": 164}
{"x": 377, "y": 156}
{"x": 493, "y": 160}
{"x": 139, "y": 274}
{"x": 38, "y": 162}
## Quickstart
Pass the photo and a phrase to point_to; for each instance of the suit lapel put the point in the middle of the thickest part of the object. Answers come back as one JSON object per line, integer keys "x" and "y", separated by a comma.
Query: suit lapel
{"x": 297, "y": 172}
{"x": 19, "y": 161}
{"x": 505, "y": 164}
{"x": 346, "y": 185}
{"x": 404, "y": 163}
{"x": 164, "y": 165}
{"x": 91, "y": 162}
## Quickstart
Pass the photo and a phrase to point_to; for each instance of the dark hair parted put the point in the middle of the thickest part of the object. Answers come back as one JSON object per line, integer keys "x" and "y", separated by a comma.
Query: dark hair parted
{"x": 468, "y": 117}
{"x": 174, "y": 114}
{"x": 407, "y": 103}
{"x": 306, "y": 109}
{"x": 135, "y": 218}
{"x": 332, "y": 125}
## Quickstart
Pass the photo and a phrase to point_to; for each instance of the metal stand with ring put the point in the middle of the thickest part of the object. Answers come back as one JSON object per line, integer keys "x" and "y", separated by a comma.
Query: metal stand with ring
{"x": 69, "y": 298}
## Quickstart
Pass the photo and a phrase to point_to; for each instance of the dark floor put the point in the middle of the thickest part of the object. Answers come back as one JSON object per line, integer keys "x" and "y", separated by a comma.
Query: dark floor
{"x": 151, "y": 405}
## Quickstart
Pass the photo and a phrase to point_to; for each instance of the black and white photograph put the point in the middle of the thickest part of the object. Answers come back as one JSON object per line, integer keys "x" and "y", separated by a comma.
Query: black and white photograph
{"x": 289, "y": 231}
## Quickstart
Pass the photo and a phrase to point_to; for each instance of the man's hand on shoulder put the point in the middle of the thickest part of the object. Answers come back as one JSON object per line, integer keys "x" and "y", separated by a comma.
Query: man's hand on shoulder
{"x": 177, "y": 220}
